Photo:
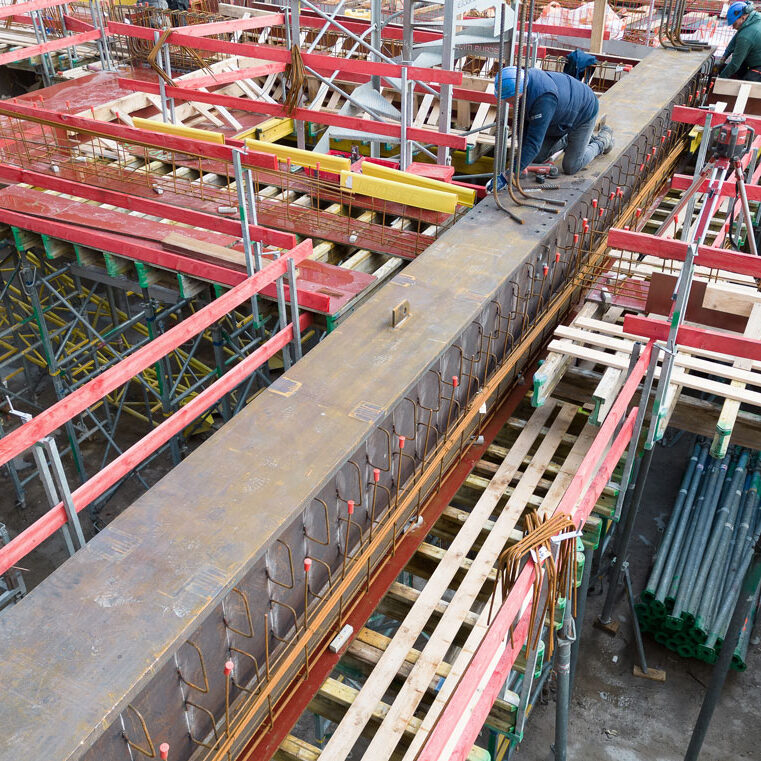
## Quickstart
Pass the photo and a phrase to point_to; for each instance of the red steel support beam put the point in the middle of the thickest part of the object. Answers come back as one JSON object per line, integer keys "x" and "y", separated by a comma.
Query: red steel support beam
{"x": 13, "y": 174}
{"x": 565, "y": 31}
{"x": 225, "y": 77}
{"x": 55, "y": 518}
{"x": 283, "y": 55}
{"x": 668, "y": 248}
{"x": 312, "y": 20}
{"x": 698, "y": 338}
{"x": 48, "y": 47}
{"x": 134, "y": 136}
{"x": 728, "y": 188}
{"x": 233, "y": 25}
{"x": 31, "y": 5}
{"x": 78, "y": 401}
{"x": 305, "y": 114}
{"x": 697, "y": 116}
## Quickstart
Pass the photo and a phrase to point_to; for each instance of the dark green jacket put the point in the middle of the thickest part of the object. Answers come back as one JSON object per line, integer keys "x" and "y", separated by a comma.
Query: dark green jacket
{"x": 744, "y": 47}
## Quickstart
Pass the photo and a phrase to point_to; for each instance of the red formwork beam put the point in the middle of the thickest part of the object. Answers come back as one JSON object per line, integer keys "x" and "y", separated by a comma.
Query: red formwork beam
{"x": 728, "y": 188}
{"x": 313, "y": 20}
{"x": 135, "y": 136}
{"x": 13, "y": 174}
{"x": 565, "y": 31}
{"x": 233, "y": 25}
{"x": 305, "y": 114}
{"x": 668, "y": 248}
{"x": 48, "y": 47}
{"x": 697, "y": 117}
{"x": 78, "y": 401}
{"x": 45, "y": 526}
{"x": 483, "y": 678}
{"x": 316, "y": 61}
{"x": 698, "y": 338}
{"x": 28, "y": 7}
{"x": 226, "y": 77}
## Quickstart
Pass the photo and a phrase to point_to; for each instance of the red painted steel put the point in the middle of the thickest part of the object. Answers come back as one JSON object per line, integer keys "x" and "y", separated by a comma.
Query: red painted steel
{"x": 683, "y": 181}
{"x": 233, "y": 25}
{"x": 77, "y": 402}
{"x": 48, "y": 47}
{"x": 724, "y": 343}
{"x": 697, "y": 116}
{"x": 225, "y": 77}
{"x": 283, "y": 55}
{"x": 73, "y": 24}
{"x": 133, "y": 135}
{"x": 31, "y": 5}
{"x": 358, "y": 26}
{"x": 306, "y": 114}
{"x": 287, "y": 713}
{"x": 55, "y": 518}
{"x": 145, "y": 205}
{"x": 668, "y": 248}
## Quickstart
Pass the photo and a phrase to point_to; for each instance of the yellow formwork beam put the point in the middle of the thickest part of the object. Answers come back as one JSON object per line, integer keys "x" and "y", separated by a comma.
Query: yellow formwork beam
{"x": 270, "y": 131}
{"x": 178, "y": 129}
{"x": 399, "y": 192}
{"x": 465, "y": 196}
{"x": 308, "y": 159}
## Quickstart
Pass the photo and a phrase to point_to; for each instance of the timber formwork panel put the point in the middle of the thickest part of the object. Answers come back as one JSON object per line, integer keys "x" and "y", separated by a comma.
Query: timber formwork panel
{"x": 235, "y": 520}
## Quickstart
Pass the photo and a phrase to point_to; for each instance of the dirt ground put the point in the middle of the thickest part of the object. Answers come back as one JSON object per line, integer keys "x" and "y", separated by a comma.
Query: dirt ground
{"x": 617, "y": 717}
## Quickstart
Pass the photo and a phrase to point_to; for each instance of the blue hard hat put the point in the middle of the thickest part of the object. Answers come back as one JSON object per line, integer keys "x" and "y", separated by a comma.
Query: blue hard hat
{"x": 507, "y": 77}
{"x": 736, "y": 10}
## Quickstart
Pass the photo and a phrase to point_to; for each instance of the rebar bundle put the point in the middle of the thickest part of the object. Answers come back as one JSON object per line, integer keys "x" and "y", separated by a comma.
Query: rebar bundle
{"x": 706, "y": 548}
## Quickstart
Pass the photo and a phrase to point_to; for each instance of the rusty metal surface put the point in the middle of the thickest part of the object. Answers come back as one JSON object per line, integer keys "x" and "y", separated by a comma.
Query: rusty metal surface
{"x": 135, "y": 623}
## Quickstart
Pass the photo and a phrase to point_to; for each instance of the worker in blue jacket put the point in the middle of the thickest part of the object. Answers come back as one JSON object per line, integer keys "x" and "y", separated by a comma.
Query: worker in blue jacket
{"x": 561, "y": 114}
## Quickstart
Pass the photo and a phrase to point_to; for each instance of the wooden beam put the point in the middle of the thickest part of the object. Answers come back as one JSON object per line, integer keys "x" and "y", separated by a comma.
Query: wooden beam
{"x": 598, "y": 26}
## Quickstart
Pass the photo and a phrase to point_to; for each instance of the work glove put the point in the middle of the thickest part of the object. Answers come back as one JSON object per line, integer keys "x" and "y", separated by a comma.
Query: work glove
{"x": 501, "y": 183}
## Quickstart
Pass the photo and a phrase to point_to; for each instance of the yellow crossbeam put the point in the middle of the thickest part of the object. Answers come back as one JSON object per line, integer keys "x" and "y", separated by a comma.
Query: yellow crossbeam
{"x": 465, "y": 196}
{"x": 176, "y": 129}
{"x": 300, "y": 157}
{"x": 399, "y": 192}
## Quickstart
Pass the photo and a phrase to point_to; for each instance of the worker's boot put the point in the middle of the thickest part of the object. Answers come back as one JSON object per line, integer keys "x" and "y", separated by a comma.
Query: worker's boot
{"x": 604, "y": 139}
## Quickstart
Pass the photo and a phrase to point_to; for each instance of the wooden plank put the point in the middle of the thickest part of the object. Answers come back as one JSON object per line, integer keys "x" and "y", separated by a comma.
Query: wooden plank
{"x": 731, "y": 298}
{"x": 184, "y": 243}
{"x": 348, "y": 731}
{"x": 598, "y": 26}
{"x": 731, "y": 407}
{"x": 401, "y": 713}
{"x": 742, "y": 98}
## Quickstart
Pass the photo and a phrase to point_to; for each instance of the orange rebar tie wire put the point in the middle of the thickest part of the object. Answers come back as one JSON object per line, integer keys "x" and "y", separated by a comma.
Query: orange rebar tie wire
{"x": 558, "y": 572}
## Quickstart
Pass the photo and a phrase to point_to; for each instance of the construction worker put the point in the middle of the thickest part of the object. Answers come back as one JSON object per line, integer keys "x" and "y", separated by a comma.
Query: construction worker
{"x": 561, "y": 114}
{"x": 744, "y": 49}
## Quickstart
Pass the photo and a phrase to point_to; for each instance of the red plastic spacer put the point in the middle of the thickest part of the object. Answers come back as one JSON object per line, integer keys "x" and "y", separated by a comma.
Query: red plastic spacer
{"x": 229, "y": 668}
{"x": 307, "y": 564}
{"x": 557, "y": 257}
{"x": 594, "y": 203}
{"x": 642, "y": 167}
{"x": 612, "y": 195}
{"x": 601, "y": 212}
{"x": 638, "y": 213}
{"x": 668, "y": 133}
{"x": 350, "y": 506}
{"x": 376, "y": 475}
{"x": 575, "y": 238}
{"x": 545, "y": 269}
{"x": 164, "y": 751}
{"x": 585, "y": 224}
{"x": 663, "y": 139}
{"x": 402, "y": 439}
{"x": 455, "y": 381}
{"x": 626, "y": 227}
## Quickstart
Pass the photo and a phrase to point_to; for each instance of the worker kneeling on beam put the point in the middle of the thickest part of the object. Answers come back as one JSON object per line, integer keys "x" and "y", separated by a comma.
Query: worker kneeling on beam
{"x": 744, "y": 49}
{"x": 561, "y": 113}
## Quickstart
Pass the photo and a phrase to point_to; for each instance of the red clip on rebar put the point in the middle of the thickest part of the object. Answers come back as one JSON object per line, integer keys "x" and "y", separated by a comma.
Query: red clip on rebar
{"x": 557, "y": 257}
{"x": 164, "y": 751}
{"x": 545, "y": 269}
{"x": 376, "y": 475}
{"x": 402, "y": 439}
{"x": 350, "y": 506}
{"x": 229, "y": 668}
{"x": 307, "y": 564}
{"x": 455, "y": 381}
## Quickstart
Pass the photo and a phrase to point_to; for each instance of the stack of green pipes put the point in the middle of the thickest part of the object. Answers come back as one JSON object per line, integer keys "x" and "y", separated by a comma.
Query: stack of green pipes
{"x": 705, "y": 552}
